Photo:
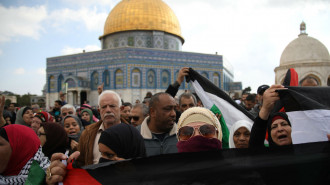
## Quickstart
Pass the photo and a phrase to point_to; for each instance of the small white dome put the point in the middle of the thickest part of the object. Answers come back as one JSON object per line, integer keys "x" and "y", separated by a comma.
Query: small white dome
{"x": 304, "y": 49}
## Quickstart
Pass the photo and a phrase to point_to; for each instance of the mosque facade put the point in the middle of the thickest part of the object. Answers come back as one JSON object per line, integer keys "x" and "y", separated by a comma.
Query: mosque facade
{"x": 141, "y": 52}
{"x": 308, "y": 56}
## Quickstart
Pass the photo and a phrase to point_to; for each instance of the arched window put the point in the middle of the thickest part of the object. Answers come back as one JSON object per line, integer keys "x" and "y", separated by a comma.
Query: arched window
{"x": 165, "y": 79}
{"x": 106, "y": 79}
{"x": 71, "y": 83}
{"x": 151, "y": 79}
{"x": 119, "y": 79}
{"x": 205, "y": 75}
{"x": 310, "y": 80}
{"x": 94, "y": 80}
{"x": 51, "y": 83}
{"x": 60, "y": 83}
{"x": 136, "y": 78}
{"x": 216, "y": 79}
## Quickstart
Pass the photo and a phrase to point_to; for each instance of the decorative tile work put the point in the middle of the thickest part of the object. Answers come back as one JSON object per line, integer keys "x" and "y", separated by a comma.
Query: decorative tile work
{"x": 129, "y": 58}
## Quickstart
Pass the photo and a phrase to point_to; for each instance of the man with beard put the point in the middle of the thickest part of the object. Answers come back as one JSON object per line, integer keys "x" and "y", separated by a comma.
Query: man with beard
{"x": 109, "y": 108}
{"x": 158, "y": 129}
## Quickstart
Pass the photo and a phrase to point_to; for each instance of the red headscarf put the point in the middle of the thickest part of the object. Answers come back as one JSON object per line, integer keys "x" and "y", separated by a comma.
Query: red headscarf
{"x": 24, "y": 143}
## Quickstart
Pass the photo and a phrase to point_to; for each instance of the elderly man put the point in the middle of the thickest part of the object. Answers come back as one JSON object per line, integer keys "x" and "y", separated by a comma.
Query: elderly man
{"x": 67, "y": 109}
{"x": 138, "y": 113}
{"x": 109, "y": 108}
{"x": 158, "y": 129}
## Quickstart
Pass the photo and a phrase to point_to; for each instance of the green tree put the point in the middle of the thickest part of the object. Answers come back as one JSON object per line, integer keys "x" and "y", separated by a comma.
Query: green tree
{"x": 24, "y": 100}
{"x": 7, "y": 102}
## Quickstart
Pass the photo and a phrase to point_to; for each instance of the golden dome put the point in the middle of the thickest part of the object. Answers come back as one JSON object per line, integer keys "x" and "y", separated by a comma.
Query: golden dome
{"x": 130, "y": 15}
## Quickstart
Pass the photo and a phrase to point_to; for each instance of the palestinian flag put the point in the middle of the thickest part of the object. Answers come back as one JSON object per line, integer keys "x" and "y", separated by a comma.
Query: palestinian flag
{"x": 308, "y": 109}
{"x": 299, "y": 164}
{"x": 219, "y": 102}
{"x": 291, "y": 78}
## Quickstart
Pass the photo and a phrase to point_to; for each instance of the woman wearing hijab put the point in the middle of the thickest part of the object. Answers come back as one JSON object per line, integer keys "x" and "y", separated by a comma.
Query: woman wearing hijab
{"x": 277, "y": 124}
{"x": 198, "y": 130}
{"x": 87, "y": 115}
{"x": 121, "y": 142}
{"x": 53, "y": 138}
{"x": 73, "y": 127}
{"x": 21, "y": 162}
{"x": 24, "y": 116}
{"x": 239, "y": 134}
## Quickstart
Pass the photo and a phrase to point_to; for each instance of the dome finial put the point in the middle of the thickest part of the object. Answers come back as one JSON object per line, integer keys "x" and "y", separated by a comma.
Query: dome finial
{"x": 303, "y": 28}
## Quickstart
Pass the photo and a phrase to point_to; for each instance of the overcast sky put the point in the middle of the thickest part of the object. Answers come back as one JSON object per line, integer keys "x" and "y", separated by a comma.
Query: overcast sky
{"x": 251, "y": 35}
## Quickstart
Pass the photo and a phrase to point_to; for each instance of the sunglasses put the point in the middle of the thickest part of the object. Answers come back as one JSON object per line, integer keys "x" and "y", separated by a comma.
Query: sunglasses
{"x": 135, "y": 118}
{"x": 186, "y": 132}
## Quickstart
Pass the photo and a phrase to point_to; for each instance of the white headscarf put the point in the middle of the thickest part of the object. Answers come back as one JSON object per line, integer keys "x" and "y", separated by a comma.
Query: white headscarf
{"x": 199, "y": 114}
{"x": 237, "y": 125}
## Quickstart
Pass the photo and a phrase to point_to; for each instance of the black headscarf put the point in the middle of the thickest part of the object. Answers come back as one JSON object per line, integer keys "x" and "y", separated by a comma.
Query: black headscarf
{"x": 125, "y": 140}
{"x": 56, "y": 139}
{"x": 269, "y": 124}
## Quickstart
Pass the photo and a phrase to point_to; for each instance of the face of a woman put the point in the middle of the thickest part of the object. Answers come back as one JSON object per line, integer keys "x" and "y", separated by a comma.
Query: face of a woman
{"x": 281, "y": 132}
{"x": 71, "y": 127}
{"x": 42, "y": 136}
{"x": 107, "y": 153}
{"x": 28, "y": 116}
{"x": 85, "y": 116}
{"x": 35, "y": 125}
{"x": 241, "y": 137}
{"x": 5, "y": 153}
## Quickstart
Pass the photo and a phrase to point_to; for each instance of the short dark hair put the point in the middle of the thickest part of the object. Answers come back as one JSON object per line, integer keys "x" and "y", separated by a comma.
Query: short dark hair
{"x": 251, "y": 97}
{"x": 125, "y": 104}
{"x": 155, "y": 99}
{"x": 59, "y": 102}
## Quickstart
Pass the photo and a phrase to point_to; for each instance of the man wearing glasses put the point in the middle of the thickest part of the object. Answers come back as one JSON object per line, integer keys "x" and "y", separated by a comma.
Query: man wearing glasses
{"x": 138, "y": 113}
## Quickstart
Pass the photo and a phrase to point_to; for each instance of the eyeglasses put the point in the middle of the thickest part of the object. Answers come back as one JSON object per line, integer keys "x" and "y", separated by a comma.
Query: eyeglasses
{"x": 40, "y": 134}
{"x": 186, "y": 132}
{"x": 135, "y": 118}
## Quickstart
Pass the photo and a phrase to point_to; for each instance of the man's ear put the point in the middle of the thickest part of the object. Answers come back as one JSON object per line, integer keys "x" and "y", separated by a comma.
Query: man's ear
{"x": 152, "y": 112}
{"x": 98, "y": 109}
{"x": 122, "y": 107}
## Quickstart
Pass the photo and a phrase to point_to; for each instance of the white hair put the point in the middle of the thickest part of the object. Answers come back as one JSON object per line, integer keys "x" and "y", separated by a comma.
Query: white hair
{"x": 109, "y": 92}
{"x": 68, "y": 106}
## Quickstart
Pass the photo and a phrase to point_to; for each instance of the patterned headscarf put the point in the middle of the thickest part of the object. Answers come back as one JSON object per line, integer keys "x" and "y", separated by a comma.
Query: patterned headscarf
{"x": 44, "y": 116}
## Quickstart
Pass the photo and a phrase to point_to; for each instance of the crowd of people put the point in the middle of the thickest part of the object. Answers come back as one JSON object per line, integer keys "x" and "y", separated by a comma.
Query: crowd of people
{"x": 119, "y": 130}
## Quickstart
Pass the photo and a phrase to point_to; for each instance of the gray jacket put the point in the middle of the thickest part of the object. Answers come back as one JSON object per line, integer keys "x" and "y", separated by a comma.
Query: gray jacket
{"x": 153, "y": 145}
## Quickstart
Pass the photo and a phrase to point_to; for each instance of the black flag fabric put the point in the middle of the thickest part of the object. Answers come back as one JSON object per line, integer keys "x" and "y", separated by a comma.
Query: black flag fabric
{"x": 298, "y": 164}
{"x": 308, "y": 109}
